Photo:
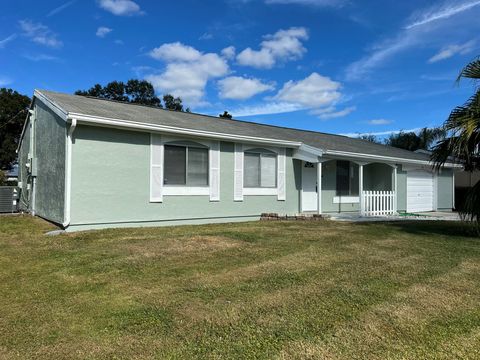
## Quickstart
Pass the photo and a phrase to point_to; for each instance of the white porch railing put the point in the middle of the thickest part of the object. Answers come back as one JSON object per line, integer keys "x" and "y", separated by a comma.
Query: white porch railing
{"x": 378, "y": 203}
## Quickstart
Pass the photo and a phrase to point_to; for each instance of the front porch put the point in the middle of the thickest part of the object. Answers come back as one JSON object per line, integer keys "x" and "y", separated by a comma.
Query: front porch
{"x": 349, "y": 186}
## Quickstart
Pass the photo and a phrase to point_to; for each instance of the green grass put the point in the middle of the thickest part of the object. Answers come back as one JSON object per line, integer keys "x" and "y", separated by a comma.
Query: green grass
{"x": 286, "y": 290}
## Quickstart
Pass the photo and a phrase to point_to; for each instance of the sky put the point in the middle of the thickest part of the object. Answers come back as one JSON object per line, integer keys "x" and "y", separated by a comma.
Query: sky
{"x": 339, "y": 66}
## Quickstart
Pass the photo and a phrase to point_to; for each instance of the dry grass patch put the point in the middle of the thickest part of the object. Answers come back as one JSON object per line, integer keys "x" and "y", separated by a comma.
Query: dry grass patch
{"x": 288, "y": 290}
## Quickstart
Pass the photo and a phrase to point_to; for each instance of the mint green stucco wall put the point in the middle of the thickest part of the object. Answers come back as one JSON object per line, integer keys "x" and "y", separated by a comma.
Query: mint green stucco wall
{"x": 111, "y": 185}
{"x": 445, "y": 190}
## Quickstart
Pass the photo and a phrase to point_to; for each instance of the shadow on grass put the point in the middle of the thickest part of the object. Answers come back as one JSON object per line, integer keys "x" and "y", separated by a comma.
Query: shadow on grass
{"x": 425, "y": 227}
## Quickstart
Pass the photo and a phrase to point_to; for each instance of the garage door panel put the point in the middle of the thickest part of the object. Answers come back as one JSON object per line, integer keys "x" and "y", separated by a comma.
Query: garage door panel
{"x": 420, "y": 191}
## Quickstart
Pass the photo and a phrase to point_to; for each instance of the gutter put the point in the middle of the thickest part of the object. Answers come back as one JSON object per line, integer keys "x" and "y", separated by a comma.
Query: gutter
{"x": 68, "y": 172}
{"x": 386, "y": 158}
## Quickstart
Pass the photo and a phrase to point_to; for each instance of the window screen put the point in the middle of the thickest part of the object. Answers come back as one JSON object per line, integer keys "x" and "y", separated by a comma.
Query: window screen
{"x": 260, "y": 169}
{"x": 347, "y": 178}
{"x": 185, "y": 165}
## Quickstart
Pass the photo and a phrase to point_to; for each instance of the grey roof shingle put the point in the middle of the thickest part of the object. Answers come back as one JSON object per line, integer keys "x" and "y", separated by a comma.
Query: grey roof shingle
{"x": 151, "y": 115}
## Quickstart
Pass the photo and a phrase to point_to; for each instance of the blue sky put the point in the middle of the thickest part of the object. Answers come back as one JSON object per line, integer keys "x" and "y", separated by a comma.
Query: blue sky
{"x": 339, "y": 66}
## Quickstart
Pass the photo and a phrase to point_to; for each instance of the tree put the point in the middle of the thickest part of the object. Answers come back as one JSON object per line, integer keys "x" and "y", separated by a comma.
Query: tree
{"x": 462, "y": 141}
{"x": 13, "y": 111}
{"x": 142, "y": 92}
{"x": 134, "y": 91}
{"x": 369, "y": 137}
{"x": 225, "y": 115}
{"x": 425, "y": 139}
{"x": 172, "y": 103}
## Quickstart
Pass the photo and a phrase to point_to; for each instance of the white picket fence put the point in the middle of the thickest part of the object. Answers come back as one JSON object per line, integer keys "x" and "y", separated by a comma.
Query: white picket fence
{"x": 378, "y": 203}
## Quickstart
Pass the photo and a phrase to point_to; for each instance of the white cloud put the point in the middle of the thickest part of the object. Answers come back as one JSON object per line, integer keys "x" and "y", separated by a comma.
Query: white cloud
{"x": 175, "y": 52}
{"x": 379, "y": 122}
{"x": 103, "y": 31}
{"x": 40, "y": 57}
{"x": 419, "y": 32}
{"x": 39, "y": 34}
{"x": 319, "y": 3}
{"x": 5, "y": 81}
{"x": 316, "y": 93}
{"x": 5, "y": 41}
{"x": 121, "y": 7}
{"x": 61, "y": 8}
{"x": 228, "y": 52}
{"x": 187, "y": 71}
{"x": 381, "y": 133}
{"x": 452, "y": 50}
{"x": 266, "y": 109}
{"x": 332, "y": 113}
{"x": 443, "y": 12}
{"x": 282, "y": 46}
{"x": 312, "y": 92}
{"x": 240, "y": 88}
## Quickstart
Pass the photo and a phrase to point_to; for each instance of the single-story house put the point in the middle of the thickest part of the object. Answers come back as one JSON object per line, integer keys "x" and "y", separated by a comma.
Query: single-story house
{"x": 87, "y": 163}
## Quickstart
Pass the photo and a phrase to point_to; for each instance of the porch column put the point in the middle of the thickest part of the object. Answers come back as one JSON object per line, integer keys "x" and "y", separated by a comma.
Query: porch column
{"x": 360, "y": 189}
{"x": 395, "y": 189}
{"x": 319, "y": 187}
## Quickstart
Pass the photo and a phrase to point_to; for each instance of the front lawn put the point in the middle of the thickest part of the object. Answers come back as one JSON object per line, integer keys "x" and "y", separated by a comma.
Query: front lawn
{"x": 250, "y": 290}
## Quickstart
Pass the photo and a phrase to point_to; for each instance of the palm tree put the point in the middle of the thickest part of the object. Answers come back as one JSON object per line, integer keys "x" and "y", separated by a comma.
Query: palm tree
{"x": 462, "y": 141}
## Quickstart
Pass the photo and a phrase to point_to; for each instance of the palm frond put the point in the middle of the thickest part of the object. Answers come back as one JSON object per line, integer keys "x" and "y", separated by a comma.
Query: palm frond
{"x": 470, "y": 71}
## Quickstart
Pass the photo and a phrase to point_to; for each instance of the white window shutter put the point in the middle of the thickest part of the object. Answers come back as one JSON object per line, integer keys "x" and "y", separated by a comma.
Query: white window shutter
{"x": 215, "y": 171}
{"x": 238, "y": 176}
{"x": 156, "y": 168}
{"x": 281, "y": 174}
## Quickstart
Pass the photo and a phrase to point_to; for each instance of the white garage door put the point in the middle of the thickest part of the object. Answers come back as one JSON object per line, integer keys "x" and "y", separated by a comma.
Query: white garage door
{"x": 419, "y": 191}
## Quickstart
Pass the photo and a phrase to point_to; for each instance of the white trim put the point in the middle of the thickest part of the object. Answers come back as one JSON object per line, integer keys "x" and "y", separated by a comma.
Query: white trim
{"x": 346, "y": 199}
{"x": 54, "y": 107}
{"x": 360, "y": 188}
{"x": 395, "y": 179}
{"x": 185, "y": 190}
{"x": 176, "y": 130}
{"x": 319, "y": 187}
{"x": 384, "y": 158}
{"x": 260, "y": 191}
{"x": 435, "y": 190}
{"x": 156, "y": 169}
{"x": 238, "y": 173}
{"x": 68, "y": 173}
{"x": 453, "y": 189}
{"x": 214, "y": 170}
{"x": 281, "y": 175}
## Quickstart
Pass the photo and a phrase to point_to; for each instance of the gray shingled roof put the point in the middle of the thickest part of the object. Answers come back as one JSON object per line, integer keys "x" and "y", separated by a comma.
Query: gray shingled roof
{"x": 150, "y": 115}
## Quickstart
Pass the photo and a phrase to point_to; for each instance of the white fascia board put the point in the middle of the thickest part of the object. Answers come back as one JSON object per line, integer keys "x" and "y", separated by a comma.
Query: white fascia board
{"x": 385, "y": 158}
{"x": 109, "y": 122}
{"x": 52, "y": 105}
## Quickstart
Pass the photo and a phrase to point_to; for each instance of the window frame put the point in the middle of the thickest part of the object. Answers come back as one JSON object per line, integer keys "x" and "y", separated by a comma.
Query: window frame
{"x": 192, "y": 190}
{"x": 261, "y": 152}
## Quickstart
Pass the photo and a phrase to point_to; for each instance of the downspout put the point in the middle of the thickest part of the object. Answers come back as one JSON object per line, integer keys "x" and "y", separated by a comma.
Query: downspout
{"x": 68, "y": 172}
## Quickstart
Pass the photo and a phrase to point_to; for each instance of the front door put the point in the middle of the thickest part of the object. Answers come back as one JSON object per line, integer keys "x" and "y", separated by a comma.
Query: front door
{"x": 309, "y": 187}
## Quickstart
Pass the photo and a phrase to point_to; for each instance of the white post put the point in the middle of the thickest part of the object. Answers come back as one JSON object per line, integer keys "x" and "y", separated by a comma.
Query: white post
{"x": 395, "y": 190}
{"x": 360, "y": 189}
{"x": 319, "y": 187}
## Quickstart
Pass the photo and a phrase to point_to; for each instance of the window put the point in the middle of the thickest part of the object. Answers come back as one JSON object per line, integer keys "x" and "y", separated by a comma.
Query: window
{"x": 347, "y": 178}
{"x": 185, "y": 165}
{"x": 260, "y": 169}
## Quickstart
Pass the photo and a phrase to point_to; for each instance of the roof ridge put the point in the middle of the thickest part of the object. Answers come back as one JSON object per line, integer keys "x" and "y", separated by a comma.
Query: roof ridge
{"x": 236, "y": 121}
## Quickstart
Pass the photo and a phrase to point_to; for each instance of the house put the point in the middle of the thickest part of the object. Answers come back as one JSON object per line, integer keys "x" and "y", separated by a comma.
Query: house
{"x": 88, "y": 163}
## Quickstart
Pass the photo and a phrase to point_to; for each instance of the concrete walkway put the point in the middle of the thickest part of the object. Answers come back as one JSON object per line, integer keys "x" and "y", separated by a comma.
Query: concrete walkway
{"x": 433, "y": 215}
